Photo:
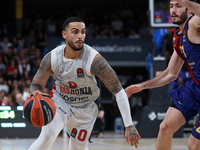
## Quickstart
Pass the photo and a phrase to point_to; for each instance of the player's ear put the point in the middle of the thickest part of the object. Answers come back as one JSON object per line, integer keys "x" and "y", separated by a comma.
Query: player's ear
{"x": 64, "y": 34}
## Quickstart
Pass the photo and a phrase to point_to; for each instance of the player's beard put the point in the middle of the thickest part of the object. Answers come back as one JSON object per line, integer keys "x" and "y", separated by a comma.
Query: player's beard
{"x": 183, "y": 18}
{"x": 72, "y": 45}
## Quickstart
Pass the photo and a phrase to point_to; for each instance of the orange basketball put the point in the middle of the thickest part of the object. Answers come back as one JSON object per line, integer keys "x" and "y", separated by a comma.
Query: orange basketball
{"x": 39, "y": 110}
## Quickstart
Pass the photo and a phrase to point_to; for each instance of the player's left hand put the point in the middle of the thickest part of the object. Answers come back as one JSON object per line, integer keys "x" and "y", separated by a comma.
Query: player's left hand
{"x": 132, "y": 136}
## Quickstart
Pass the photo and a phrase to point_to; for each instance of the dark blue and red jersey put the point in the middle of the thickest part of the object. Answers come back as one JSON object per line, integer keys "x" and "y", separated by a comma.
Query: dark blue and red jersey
{"x": 191, "y": 52}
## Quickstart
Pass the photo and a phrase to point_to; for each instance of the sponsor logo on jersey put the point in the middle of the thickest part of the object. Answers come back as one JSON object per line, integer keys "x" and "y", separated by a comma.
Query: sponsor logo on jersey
{"x": 80, "y": 73}
{"x": 74, "y": 132}
{"x": 74, "y": 99}
{"x": 78, "y": 91}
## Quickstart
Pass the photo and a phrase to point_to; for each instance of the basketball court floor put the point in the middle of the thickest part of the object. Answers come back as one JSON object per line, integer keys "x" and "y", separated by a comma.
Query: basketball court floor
{"x": 110, "y": 141}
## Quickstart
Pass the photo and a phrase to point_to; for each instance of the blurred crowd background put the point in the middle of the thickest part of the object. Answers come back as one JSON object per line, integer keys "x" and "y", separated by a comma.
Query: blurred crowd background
{"x": 22, "y": 49}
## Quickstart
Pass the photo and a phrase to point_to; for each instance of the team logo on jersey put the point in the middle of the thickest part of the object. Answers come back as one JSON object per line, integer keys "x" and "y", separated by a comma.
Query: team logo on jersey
{"x": 184, "y": 31}
{"x": 174, "y": 39}
{"x": 80, "y": 72}
{"x": 74, "y": 132}
{"x": 196, "y": 123}
{"x": 197, "y": 127}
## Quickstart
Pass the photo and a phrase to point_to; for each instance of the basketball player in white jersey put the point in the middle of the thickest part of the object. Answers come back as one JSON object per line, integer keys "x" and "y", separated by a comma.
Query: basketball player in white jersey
{"x": 75, "y": 66}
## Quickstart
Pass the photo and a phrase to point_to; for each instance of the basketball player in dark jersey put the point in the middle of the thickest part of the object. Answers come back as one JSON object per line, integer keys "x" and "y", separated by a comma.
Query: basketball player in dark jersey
{"x": 186, "y": 99}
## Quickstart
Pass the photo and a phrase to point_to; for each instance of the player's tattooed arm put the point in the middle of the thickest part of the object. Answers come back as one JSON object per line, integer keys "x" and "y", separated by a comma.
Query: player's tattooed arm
{"x": 42, "y": 75}
{"x": 103, "y": 70}
{"x": 34, "y": 87}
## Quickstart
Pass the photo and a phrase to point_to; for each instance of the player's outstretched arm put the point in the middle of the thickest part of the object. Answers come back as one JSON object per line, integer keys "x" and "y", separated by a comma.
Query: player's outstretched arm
{"x": 193, "y": 6}
{"x": 102, "y": 69}
{"x": 168, "y": 75}
{"x": 135, "y": 88}
{"x": 42, "y": 75}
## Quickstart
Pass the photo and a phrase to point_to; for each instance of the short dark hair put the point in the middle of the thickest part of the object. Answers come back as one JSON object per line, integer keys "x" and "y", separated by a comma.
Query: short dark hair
{"x": 189, "y": 0}
{"x": 71, "y": 19}
{"x": 193, "y": 0}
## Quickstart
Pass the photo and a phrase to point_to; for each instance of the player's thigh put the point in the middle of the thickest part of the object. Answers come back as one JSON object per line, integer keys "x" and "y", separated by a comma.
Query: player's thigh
{"x": 193, "y": 143}
{"x": 80, "y": 125}
{"x": 54, "y": 127}
{"x": 174, "y": 119}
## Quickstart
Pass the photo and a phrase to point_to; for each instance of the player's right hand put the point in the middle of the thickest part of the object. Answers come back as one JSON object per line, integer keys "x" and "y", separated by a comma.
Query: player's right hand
{"x": 37, "y": 92}
{"x": 135, "y": 88}
{"x": 132, "y": 136}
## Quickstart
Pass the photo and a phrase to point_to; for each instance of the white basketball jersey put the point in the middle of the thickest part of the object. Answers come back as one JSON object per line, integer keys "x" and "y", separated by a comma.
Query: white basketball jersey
{"x": 74, "y": 83}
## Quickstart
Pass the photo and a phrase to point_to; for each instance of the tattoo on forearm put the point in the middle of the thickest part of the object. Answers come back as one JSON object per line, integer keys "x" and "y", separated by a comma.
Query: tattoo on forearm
{"x": 45, "y": 66}
{"x": 35, "y": 87}
{"x": 42, "y": 74}
{"x": 102, "y": 69}
{"x": 46, "y": 62}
